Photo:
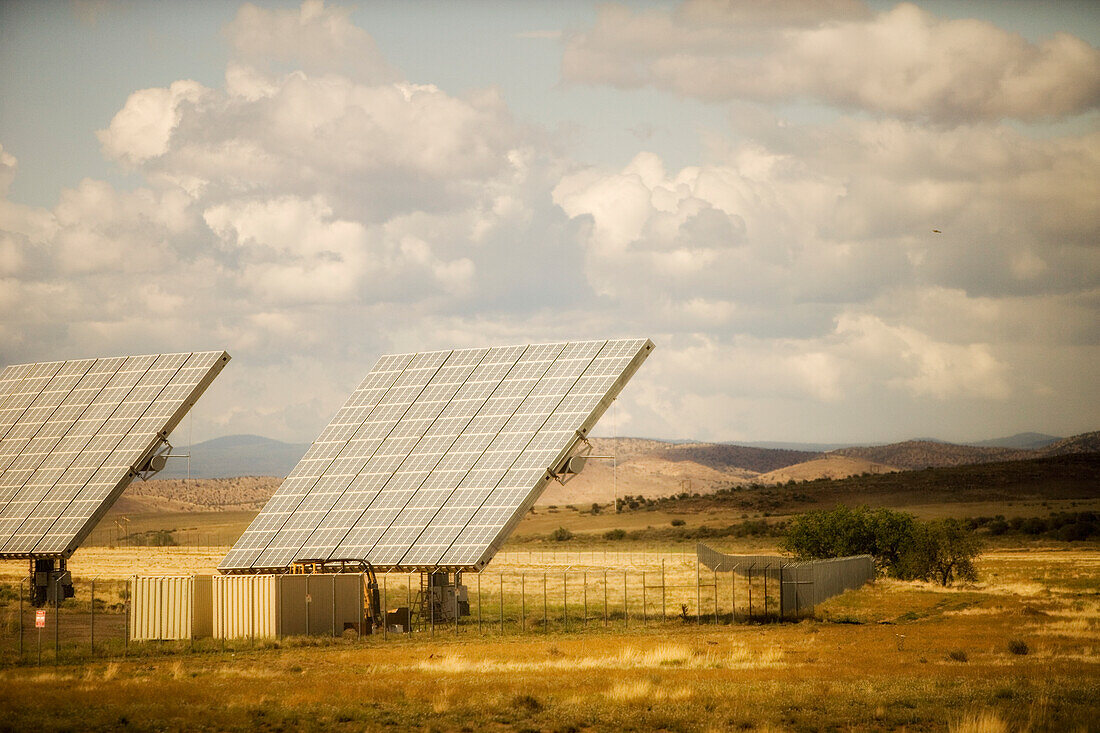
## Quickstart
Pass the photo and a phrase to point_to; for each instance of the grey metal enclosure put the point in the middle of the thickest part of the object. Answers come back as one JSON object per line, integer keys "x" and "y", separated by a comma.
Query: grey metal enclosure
{"x": 320, "y": 605}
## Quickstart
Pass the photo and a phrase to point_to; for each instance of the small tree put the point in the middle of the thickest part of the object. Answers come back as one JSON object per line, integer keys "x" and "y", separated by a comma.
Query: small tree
{"x": 940, "y": 551}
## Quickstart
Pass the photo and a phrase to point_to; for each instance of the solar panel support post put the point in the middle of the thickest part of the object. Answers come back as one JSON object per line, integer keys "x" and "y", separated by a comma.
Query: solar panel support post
{"x": 545, "y": 617}
{"x": 385, "y": 605}
{"x": 457, "y": 576}
{"x": 502, "y": 604}
{"x": 479, "y": 603}
{"x": 523, "y": 602}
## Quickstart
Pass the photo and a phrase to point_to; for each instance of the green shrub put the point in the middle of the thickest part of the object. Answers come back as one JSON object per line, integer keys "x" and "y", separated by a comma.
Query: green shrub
{"x": 561, "y": 534}
{"x": 615, "y": 534}
{"x": 1018, "y": 646}
{"x": 678, "y": 523}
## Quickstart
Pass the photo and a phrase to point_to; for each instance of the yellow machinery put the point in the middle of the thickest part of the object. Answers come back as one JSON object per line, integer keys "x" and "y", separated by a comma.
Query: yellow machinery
{"x": 372, "y": 602}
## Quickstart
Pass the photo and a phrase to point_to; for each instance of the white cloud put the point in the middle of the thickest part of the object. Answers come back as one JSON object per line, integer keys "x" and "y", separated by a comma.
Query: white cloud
{"x": 904, "y": 62}
{"x": 308, "y": 219}
{"x": 312, "y": 37}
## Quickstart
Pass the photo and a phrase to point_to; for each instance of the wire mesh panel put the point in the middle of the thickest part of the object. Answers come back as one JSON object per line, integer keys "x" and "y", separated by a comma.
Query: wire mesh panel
{"x": 436, "y": 455}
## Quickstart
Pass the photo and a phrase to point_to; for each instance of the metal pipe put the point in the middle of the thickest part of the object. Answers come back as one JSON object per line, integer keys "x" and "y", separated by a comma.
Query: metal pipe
{"x": 502, "y": 604}
{"x": 385, "y": 604}
{"x": 523, "y": 602}
{"x": 479, "y": 603}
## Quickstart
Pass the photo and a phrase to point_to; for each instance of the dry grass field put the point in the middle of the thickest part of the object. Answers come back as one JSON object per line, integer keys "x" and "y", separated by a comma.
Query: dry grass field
{"x": 1019, "y": 650}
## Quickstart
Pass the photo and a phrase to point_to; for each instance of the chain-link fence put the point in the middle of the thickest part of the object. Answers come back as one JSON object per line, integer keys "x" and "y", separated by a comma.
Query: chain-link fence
{"x": 535, "y": 592}
{"x": 91, "y": 623}
{"x": 798, "y": 586}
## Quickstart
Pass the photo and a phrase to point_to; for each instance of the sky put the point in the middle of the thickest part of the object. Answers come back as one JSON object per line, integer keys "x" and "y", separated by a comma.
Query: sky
{"x": 839, "y": 221}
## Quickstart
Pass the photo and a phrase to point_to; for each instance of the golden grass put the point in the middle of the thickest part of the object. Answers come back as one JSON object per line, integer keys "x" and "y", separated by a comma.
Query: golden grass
{"x": 985, "y": 721}
{"x": 844, "y": 670}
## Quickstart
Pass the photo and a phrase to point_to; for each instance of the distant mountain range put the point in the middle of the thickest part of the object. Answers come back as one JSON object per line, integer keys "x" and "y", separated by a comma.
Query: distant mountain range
{"x": 253, "y": 455}
{"x": 236, "y": 455}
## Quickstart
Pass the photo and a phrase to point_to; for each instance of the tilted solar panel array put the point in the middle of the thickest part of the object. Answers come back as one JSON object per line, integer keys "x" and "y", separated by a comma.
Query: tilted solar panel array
{"x": 73, "y": 433}
{"x": 436, "y": 456}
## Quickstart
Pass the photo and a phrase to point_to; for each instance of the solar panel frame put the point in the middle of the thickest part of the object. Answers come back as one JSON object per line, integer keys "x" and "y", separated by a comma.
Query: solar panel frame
{"x": 431, "y": 449}
{"x": 63, "y": 467}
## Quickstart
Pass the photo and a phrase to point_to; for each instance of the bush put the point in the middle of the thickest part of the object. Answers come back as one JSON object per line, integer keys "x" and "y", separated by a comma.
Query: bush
{"x": 1018, "y": 646}
{"x": 678, "y": 523}
{"x": 615, "y": 534}
{"x": 595, "y": 508}
{"x": 957, "y": 655}
{"x": 561, "y": 534}
{"x": 941, "y": 551}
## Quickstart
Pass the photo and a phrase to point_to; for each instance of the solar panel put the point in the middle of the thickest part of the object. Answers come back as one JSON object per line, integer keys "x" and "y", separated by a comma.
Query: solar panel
{"x": 73, "y": 434}
{"x": 436, "y": 456}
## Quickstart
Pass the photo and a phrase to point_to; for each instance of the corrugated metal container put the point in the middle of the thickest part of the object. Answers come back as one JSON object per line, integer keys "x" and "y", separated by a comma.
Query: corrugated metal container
{"x": 170, "y": 607}
{"x": 321, "y": 604}
{"x": 244, "y": 606}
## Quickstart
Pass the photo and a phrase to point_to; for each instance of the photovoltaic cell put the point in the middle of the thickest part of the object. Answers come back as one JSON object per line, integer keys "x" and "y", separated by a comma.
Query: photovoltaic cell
{"x": 436, "y": 456}
{"x": 73, "y": 435}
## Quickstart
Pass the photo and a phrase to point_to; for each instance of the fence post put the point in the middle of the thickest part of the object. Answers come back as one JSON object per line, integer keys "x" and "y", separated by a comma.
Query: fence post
{"x": 126, "y": 636}
{"x": 502, "y": 604}
{"x": 456, "y": 603}
{"x": 91, "y": 622}
{"x": 252, "y": 635}
{"x": 749, "y": 583}
{"x": 715, "y": 572}
{"x": 545, "y": 617}
{"x": 56, "y": 621}
{"x": 20, "y": 620}
{"x": 733, "y": 595}
{"x": 765, "y": 592}
{"x": 780, "y": 591}
{"x": 584, "y": 584}
{"x": 664, "y": 607}
{"x": 409, "y": 601}
{"x": 626, "y": 607}
{"x": 523, "y": 602}
{"x": 605, "y": 597}
{"x": 644, "y": 621}
{"x": 565, "y": 600}
{"x": 385, "y": 613}
{"x": 479, "y": 603}
{"x": 431, "y": 603}
{"x": 698, "y": 595}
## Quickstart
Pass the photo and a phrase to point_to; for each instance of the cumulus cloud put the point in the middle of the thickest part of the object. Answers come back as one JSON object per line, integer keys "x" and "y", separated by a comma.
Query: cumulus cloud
{"x": 313, "y": 37}
{"x": 903, "y": 62}
{"x": 311, "y": 213}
